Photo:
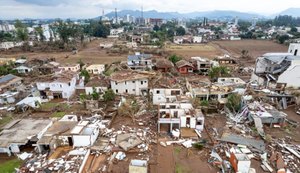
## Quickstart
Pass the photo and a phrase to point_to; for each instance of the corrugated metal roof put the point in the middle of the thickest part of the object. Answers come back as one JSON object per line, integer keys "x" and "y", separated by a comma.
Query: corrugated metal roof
{"x": 7, "y": 78}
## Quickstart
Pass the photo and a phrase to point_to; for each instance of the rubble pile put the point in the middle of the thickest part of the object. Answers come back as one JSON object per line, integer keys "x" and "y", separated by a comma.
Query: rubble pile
{"x": 71, "y": 162}
{"x": 283, "y": 155}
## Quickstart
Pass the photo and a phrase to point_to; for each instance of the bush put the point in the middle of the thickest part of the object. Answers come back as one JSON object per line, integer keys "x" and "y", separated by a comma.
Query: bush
{"x": 109, "y": 95}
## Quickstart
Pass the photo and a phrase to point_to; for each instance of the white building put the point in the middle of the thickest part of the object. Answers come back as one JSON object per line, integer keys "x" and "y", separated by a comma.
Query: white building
{"x": 100, "y": 85}
{"x": 129, "y": 82}
{"x": 23, "y": 69}
{"x": 96, "y": 68}
{"x": 70, "y": 67}
{"x": 165, "y": 95}
{"x": 278, "y": 68}
{"x": 179, "y": 115}
{"x": 61, "y": 85}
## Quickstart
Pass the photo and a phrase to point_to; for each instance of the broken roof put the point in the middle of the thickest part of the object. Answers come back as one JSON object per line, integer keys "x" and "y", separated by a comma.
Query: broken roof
{"x": 7, "y": 78}
{"x": 139, "y": 57}
{"x": 66, "y": 76}
{"x": 20, "y": 131}
{"x": 163, "y": 63}
{"x": 129, "y": 75}
{"x": 98, "y": 82}
{"x": 183, "y": 63}
{"x": 279, "y": 57}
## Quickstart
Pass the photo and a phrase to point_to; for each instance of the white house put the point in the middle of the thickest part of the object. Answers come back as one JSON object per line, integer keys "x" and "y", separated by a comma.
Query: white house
{"x": 99, "y": 84}
{"x": 96, "y": 68}
{"x": 165, "y": 95}
{"x": 70, "y": 67}
{"x": 276, "y": 68}
{"x": 140, "y": 61}
{"x": 23, "y": 69}
{"x": 180, "y": 115}
{"x": 129, "y": 82}
{"x": 60, "y": 85}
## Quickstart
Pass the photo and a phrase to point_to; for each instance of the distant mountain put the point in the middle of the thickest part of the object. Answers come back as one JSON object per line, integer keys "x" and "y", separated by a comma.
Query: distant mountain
{"x": 218, "y": 14}
{"x": 295, "y": 12}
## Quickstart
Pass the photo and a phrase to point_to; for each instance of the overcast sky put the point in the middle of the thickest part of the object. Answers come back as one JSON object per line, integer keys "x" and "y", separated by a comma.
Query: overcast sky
{"x": 12, "y": 9}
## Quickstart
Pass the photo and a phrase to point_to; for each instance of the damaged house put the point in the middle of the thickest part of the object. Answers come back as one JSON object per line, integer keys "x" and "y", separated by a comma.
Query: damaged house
{"x": 130, "y": 82}
{"x": 140, "y": 61}
{"x": 20, "y": 133}
{"x": 9, "y": 82}
{"x": 59, "y": 134}
{"x": 70, "y": 67}
{"x": 173, "y": 116}
{"x": 59, "y": 86}
{"x": 203, "y": 65}
{"x": 185, "y": 67}
{"x": 275, "y": 68}
{"x": 202, "y": 88}
{"x": 165, "y": 95}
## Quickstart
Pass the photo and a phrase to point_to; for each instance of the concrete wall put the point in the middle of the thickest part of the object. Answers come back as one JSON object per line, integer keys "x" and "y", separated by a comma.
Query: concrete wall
{"x": 89, "y": 90}
{"x": 129, "y": 87}
{"x": 161, "y": 95}
{"x": 294, "y": 48}
{"x": 291, "y": 76}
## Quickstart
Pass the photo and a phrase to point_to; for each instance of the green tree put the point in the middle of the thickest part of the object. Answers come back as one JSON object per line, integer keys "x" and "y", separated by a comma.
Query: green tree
{"x": 109, "y": 95}
{"x": 100, "y": 30}
{"x": 19, "y": 24}
{"x": 86, "y": 75}
{"x": 156, "y": 28}
{"x": 294, "y": 29}
{"x": 283, "y": 38}
{"x": 95, "y": 95}
{"x": 68, "y": 30}
{"x": 234, "y": 102}
{"x": 180, "y": 31}
{"x": 40, "y": 33}
{"x": 215, "y": 72}
{"x": 174, "y": 58}
{"x": 22, "y": 34}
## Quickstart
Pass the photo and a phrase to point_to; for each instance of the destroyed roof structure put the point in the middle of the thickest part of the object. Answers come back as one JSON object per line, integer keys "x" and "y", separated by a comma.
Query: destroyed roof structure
{"x": 275, "y": 68}
{"x": 60, "y": 85}
{"x": 96, "y": 68}
{"x": 185, "y": 67}
{"x": 130, "y": 82}
{"x": 9, "y": 81}
{"x": 19, "y": 132}
{"x": 179, "y": 116}
{"x": 163, "y": 65}
{"x": 140, "y": 61}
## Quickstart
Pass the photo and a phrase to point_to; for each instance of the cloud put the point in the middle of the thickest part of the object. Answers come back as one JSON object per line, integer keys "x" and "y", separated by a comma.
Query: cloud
{"x": 10, "y": 9}
{"x": 43, "y": 2}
